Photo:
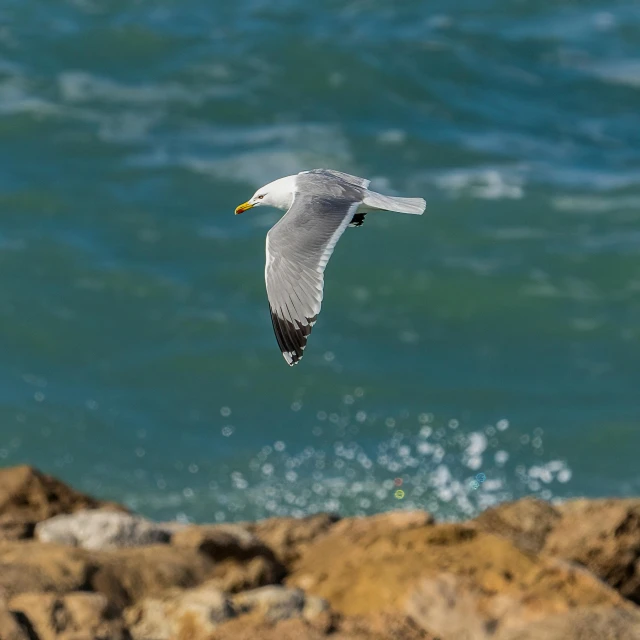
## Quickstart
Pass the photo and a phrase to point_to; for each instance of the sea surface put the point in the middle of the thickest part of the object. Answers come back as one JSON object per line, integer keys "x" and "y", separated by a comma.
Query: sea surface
{"x": 498, "y": 334}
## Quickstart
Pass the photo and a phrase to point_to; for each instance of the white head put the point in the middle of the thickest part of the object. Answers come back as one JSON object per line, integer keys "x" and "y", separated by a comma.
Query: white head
{"x": 278, "y": 193}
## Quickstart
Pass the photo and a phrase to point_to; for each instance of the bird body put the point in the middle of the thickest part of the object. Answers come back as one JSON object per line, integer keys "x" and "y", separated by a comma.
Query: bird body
{"x": 320, "y": 204}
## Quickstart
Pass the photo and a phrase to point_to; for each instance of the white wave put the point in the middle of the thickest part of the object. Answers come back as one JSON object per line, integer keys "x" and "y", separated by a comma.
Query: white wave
{"x": 273, "y": 152}
{"x": 625, "y": 72}
{"x": 487, "y": 183}
{"x": 79, "y": 87}
{"x": 595, "y": 204}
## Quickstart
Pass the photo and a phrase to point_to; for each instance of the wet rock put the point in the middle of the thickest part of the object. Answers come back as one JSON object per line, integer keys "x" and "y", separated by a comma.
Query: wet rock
{"x": 527, "y": 522}
{"x": 101, "y": 530}
{"x": 76, "y": 616}
{"x": 604, "y": 536}
{"x": 192, "y": 614}
{"x": 242, "y": 561}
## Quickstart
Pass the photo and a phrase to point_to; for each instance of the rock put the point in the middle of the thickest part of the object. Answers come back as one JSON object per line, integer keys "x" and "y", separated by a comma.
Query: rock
{"x": 382, "y": 626}
{"x": 28, "y": 497}
{"x": 600, "y": 623}
{"x": 33, "y": 567}
{"x": 287, "y": 537}
{"x": 360, "y": 571}
{"x": 220, "y": 541}
{"x": 10, "y": 629}
{"x": 12, "y": 529}
{"x": 242, "y": 561}
{"x": 248, "y": 628}
{"x": 123, "y": 575}
{"x": 128, "y": 575}
{"x": 101, "y": 530}
{"x": 75, "y": 616}
{"x": 374, "y": 627}
{"x": 526, "y": 522}
{"x": 604, "y": 536}
{"x": 189, "y": 615}
{"x": 274, "y": 603}
{"x": 383, "y": 524}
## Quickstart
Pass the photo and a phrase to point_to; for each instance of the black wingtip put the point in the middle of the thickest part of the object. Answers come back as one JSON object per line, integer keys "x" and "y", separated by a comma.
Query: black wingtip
{"x": 292, "y": 339}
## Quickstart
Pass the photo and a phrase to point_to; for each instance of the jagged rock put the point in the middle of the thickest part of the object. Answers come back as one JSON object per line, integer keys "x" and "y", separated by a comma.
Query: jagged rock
{"x": 123, "y": 575}
{"x": 242, "y": 561}
{"x": 33, "y": 567}
{"x": 101, "y": 530}
{"x": 192, "y": 614}
{"x": 28, "y": 496}
{"x": 384, "y": 524}
{"x": 128, "y": 575}
{"x": 600, "y": 623}
{"x": 274, "y": 603}
{"x": 362, "y": 571}
{"x": 374, "y": 627}
{"x": 10, "y": 629}
{"x": 75, "y": 616}
{"x": 526, "y": 522}
{"x": 287, "y": 537}
{"x": 13, "y": 529}
{"x": 604, "y": 536}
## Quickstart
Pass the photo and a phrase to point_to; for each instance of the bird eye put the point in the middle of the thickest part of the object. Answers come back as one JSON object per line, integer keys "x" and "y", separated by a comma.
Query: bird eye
{"x": 260, "y": 197}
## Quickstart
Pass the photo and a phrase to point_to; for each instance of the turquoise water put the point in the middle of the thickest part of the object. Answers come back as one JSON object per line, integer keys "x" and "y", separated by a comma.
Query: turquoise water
{"x": 499, "y": 333}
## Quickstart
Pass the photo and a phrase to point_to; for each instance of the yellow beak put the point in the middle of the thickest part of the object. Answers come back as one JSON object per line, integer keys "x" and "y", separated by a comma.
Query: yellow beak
{"x": 243, "y": 207}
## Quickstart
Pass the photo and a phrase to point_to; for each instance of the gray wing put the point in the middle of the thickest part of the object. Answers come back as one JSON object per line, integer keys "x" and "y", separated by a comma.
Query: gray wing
{"x": 298, "y": 249}
{"x": 345, "y": 177}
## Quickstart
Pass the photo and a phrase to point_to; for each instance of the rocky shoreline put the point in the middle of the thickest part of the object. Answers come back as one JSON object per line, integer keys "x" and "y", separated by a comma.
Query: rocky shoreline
{"x": 76, "y": 568}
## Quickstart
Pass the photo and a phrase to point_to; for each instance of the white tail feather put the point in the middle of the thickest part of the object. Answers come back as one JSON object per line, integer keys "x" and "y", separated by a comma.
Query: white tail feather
{"x": 373, "y": 200}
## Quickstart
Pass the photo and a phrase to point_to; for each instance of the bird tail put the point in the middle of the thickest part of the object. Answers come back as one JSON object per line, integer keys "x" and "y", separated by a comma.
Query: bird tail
{"x": 375, "y": 200}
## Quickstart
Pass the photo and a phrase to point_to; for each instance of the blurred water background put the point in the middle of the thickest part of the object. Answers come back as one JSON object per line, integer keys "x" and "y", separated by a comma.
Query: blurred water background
{"x": 499, "y": 333}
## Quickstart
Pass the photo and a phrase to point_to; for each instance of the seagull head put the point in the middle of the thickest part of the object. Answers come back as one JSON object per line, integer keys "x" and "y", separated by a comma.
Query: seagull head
{"x": 278, "y": 193}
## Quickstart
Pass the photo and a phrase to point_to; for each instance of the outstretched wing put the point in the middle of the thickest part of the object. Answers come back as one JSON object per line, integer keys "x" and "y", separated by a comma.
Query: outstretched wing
{"x": 298, "y": 249}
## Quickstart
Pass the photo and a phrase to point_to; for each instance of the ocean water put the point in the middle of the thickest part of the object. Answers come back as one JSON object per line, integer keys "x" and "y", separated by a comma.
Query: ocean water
{"x": 498, "y": 334}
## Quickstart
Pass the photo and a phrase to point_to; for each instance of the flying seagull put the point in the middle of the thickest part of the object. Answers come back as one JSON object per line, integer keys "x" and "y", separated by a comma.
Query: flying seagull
{"x": 320, "y": 205}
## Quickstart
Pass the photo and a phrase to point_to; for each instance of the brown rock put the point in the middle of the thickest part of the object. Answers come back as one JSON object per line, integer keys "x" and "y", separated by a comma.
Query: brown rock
{"x": 604, "y": 536}
{"x": 526, "y": 522}
{"x": 122, "y": 576}
{"x": 383, "y": 524}
{"x": 242, "y": 561}
{"x": 10, "y": 629}
{"x": 34, "y": 496}
{"x": 599, "y": 623}
{"x": 362, "y": 571}
{"x": 287, "y": 537}
{"x": 33, "y": 567}
{"x": 127, "y": 575}
{"x": 12, "y": 529}
{"x": 75, "y": 616}
{"x": 28, "y": 497}
{"x": 373, "y": 627}
{"x": 192, "y": 614}
{"x": 275, "y": 602}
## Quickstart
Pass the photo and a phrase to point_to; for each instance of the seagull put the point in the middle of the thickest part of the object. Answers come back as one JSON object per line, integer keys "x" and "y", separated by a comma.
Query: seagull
{"x": 320, "y": 204}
